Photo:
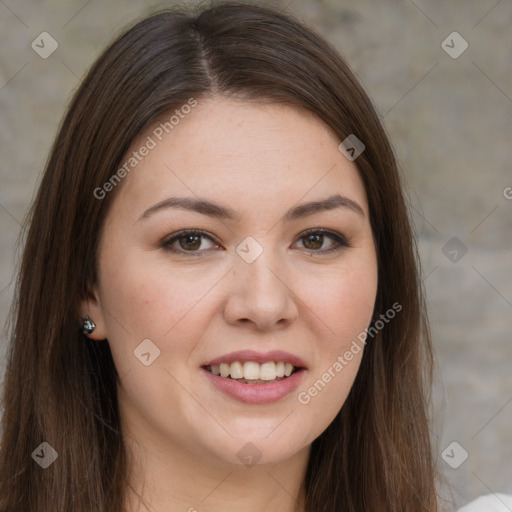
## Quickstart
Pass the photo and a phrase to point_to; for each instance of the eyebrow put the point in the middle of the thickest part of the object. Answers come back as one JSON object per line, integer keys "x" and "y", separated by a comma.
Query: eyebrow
{"x": 218, "y": 211}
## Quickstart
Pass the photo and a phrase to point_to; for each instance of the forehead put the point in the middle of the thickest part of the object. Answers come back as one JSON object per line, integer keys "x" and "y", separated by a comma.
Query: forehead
{"x": 252, "y": 153}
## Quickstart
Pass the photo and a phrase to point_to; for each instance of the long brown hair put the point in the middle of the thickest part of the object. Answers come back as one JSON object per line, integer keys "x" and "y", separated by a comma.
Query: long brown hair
{"x": 60, "y": 387}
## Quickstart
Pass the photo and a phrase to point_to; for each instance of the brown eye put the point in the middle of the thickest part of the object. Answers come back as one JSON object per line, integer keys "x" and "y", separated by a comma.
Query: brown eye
{"x": 188, "y": 242}
{"x": 313, "y": 240}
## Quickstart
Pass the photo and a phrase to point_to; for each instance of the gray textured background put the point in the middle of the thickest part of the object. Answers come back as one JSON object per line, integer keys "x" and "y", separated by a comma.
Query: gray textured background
{"x": 450, "y": 121}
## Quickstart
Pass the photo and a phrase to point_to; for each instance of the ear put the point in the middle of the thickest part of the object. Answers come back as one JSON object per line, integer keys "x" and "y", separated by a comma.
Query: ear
{"x": 92, "y": 307}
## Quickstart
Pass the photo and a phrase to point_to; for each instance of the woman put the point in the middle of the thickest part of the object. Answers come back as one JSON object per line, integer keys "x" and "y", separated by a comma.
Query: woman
{"x": 219, "y": 304}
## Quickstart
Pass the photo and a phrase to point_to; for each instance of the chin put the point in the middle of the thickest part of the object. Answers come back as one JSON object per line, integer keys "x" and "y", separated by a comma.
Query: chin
{"x": 253, "y": 451}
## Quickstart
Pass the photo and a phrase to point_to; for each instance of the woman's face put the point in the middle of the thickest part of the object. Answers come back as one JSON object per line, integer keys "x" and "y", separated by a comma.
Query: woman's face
{"x": 250, "y": 290}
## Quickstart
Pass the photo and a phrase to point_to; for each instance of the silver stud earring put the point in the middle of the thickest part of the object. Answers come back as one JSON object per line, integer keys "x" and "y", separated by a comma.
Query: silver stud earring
{"x": 88, "y": 325}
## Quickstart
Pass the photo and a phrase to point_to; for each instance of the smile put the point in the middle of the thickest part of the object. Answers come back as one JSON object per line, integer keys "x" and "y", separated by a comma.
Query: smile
{"x": 253, "y": 377}
{"x": 251, "y": 372}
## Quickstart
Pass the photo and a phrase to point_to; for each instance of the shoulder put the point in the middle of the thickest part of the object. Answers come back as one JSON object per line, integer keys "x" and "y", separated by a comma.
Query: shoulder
{"x": 490, "y": 503}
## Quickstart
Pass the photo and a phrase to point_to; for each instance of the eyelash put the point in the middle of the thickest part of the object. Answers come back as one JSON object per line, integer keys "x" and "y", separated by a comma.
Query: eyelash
{"x": 340, "y": 241}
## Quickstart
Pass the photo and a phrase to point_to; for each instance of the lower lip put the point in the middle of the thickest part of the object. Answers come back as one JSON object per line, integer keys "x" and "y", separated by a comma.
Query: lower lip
{"x": 256, "y": 393}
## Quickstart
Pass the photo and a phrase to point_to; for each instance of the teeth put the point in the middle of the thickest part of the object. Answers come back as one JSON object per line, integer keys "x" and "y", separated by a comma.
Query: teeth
{"x": 224, "y": 370}
{"x": 268, "y": 371}
{"x": 251, "y": 370}
{"x": 237, "y": 370}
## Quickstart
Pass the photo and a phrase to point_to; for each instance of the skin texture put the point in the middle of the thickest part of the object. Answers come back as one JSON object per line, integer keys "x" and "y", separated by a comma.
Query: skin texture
{"x": 184, "y": 434}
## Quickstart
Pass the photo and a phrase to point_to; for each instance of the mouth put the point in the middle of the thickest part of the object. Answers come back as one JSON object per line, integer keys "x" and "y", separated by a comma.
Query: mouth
{"x": 252, "y": 372}
{"x": 253, "y": 377}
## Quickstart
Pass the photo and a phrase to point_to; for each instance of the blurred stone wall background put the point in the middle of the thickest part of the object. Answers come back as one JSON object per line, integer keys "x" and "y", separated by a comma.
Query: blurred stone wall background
{"x": 448, "y": 111}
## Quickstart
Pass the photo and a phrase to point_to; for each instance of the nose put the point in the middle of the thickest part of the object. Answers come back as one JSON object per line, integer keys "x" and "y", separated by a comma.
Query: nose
{"x": 260, "y": 294}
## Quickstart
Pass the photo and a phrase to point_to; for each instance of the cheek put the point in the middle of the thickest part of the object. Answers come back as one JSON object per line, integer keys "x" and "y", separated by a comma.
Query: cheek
{"x": 343, "y": 311}
{"x": 146, "y": 299}
{"x": 150, "y": 300}
{"x": 343, "y": 302}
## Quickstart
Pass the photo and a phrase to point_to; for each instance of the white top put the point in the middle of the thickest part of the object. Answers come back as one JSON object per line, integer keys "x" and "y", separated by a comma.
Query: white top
{"x": 490, "y": 503}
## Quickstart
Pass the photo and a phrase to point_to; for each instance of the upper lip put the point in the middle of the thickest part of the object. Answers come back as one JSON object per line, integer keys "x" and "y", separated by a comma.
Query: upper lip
{"x": 258, "y": 357}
